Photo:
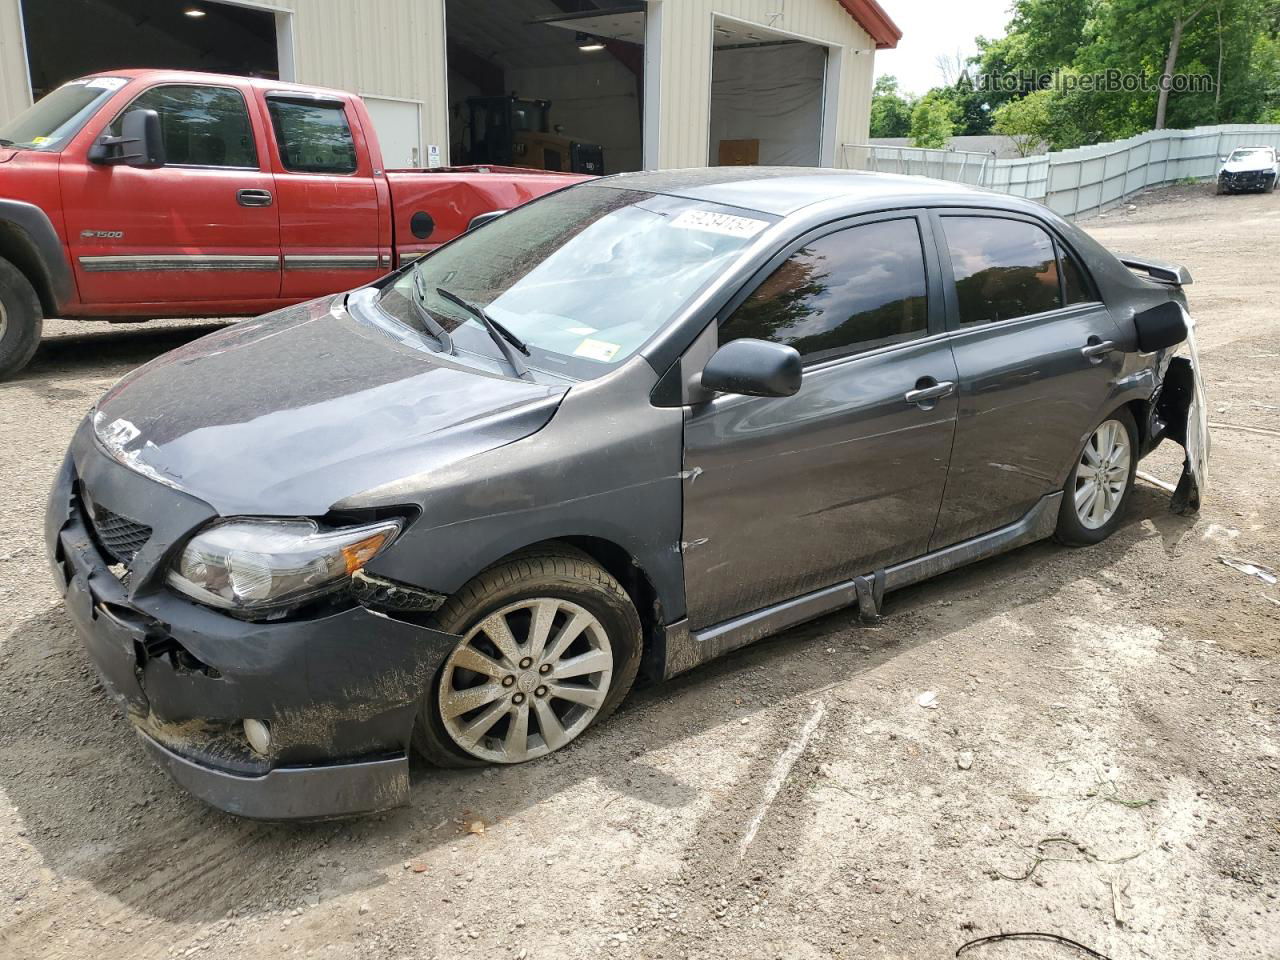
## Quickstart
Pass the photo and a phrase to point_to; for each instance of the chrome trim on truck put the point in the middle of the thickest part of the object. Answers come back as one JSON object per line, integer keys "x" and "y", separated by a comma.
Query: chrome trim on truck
{"x": 332, "y": 262}
{"x": 150, "y": 263}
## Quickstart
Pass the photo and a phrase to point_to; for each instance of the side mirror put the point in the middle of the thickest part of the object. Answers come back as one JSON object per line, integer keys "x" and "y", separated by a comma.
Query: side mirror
{"x": 1222, "y": 159}
{"x": 755, "y": 368}
{"x": 480, "y": 219}
{"x": 1160, "y": 327}
{"x": 140, "y": 143}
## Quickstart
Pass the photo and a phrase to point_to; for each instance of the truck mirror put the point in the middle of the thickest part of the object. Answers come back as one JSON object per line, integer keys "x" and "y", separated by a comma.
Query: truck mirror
{"x": 140, "y": 143}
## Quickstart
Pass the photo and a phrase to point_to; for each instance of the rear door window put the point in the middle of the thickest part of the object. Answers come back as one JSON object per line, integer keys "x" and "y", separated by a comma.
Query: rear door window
{"x": 1004, "y": 269}
{"x": 201, "y": 126}
{"x": 844, "y": 293}
{"x": 313, "y": 137}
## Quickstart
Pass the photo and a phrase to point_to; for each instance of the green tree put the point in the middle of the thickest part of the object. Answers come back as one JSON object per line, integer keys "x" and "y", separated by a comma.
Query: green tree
{"x": 932, "y": 121}
{"x": 890, "y": 109}
{"x": 1027, "y": 121}
{"x": 1050, "y": 32}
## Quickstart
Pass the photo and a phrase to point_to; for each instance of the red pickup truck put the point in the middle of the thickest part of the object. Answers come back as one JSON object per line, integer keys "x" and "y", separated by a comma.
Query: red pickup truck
{"x": 140, "y": 194}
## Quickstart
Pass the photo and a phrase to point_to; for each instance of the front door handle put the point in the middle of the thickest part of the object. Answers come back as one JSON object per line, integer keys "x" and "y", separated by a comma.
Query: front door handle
{"x": 1096, "y": 349}
{"x": 929, "y": 390}
{"x": 253, "y": 198}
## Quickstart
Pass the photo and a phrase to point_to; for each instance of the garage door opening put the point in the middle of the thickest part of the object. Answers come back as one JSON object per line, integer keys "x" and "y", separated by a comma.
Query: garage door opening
{"x": 546, "y": 84}
{"x": 767, "y": 94}
{"x": 72, "y": 38}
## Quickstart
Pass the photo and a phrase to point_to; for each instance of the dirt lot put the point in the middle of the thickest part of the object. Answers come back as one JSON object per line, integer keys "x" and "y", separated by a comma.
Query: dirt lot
{"x": 1102, "y": 762}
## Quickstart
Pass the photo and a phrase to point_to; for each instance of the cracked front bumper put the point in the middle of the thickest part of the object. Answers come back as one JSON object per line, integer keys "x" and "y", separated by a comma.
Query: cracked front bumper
{"x": 339, "y": 691}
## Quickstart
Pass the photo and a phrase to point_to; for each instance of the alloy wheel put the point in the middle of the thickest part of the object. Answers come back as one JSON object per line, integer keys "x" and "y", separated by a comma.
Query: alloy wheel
{"x": 526, "y": 680}
{"x": 1102, "y": 474}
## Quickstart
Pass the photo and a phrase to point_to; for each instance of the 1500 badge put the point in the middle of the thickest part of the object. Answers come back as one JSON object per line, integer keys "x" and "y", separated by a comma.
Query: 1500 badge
{"x": 102, "y": 234}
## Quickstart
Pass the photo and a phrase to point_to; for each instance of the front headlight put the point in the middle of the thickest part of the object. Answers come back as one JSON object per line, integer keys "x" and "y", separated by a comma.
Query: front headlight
{"x": 263, "y": 566}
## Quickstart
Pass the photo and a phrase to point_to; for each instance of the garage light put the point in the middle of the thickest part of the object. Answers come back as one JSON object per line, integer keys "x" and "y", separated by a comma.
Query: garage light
{"x": 194, "y": 12}
{"x": 589, "y": 44}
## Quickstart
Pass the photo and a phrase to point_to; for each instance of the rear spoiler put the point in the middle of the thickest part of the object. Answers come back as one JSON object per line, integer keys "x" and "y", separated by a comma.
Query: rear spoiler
{"x": 1159, "y": 271}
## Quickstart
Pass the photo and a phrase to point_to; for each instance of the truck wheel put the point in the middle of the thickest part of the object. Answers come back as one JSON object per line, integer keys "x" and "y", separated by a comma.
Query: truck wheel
{"x": 20, "y": 320}
{"x": 550, "y": 645}
{"x": 1098, "y": 488}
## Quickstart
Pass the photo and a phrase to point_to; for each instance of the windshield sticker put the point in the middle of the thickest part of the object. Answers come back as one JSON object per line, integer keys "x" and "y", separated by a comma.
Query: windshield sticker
{"x": 725, "y": 224}
{"x": 105, "y": 83}
{"x": 40, "y": 141}
{"x": 597, "y": 350}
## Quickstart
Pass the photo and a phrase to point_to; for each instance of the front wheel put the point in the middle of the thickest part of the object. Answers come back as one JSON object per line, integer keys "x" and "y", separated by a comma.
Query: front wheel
{"x": 551, "y": 644}
{"x": 1099, "y": 485}
{"x": 21, "y": 320}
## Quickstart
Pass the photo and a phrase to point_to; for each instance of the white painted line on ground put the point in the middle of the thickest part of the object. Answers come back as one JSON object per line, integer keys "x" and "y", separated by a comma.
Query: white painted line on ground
{"x": 781, "y": 770}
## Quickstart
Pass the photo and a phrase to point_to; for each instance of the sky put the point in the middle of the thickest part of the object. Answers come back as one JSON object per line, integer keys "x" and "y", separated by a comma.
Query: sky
{"x": 933, "y": 28}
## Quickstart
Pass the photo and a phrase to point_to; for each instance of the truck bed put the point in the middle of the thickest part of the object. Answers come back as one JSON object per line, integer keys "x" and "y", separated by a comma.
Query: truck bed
{"x": 452, "y": 196}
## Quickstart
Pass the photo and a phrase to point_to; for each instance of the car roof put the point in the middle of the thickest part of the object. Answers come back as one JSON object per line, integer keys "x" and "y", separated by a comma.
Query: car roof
{"x": 784, "y": 190}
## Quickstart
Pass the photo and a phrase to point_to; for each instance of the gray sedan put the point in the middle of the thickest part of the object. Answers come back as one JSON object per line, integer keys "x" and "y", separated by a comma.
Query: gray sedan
{"x": 611, "y": 434}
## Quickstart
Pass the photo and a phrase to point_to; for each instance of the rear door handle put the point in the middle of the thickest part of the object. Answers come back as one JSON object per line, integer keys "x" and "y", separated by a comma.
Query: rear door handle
{"x": 253, "y": 198}
{"x": 929, "y": 390}
{"x": 1094, "y": 352}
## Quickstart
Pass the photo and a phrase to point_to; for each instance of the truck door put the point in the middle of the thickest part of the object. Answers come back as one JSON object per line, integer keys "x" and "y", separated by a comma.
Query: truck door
{"x": 203, "y": 227}
{"x": 329, "y": 196}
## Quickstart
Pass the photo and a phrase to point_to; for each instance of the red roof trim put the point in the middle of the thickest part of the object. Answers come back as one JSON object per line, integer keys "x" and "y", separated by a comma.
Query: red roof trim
{"x": 872, "y": 18}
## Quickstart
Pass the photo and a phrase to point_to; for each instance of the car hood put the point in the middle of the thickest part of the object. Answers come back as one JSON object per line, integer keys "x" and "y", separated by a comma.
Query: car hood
{"x": 1247, "y": 166}
{"x": 290, "y": 413}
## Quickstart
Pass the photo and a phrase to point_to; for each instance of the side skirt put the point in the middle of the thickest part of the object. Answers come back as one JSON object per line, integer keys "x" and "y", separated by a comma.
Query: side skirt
{"x": 686, "y": 649}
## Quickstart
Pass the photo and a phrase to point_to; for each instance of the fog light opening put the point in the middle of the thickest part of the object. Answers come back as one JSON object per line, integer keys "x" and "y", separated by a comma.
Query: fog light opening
{"x": 258, "y": 733}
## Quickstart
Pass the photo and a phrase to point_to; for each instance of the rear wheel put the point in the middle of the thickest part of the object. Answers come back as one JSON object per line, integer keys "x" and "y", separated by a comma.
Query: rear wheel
{"x": 1098, "y": 488}
{"x": 550, "y": 645}
{"x": 20, "y": 320}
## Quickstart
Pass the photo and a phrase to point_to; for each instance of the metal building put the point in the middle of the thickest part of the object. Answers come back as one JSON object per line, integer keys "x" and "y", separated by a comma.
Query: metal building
{"x": 663, "y": 83}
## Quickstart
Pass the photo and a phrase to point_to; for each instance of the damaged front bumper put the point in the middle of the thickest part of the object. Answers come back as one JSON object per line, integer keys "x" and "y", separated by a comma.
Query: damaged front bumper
{"x": 339, "y": 692}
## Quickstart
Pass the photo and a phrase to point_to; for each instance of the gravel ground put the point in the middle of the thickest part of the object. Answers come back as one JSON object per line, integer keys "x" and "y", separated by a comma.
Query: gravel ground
{"x": 1101, "y": 760}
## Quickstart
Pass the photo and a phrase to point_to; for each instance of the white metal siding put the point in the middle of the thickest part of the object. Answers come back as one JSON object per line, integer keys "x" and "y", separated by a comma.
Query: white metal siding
{"x": 15, "y": 93}
{"x": 686, "y": 67}
{"x": 396, "y": 48}
{"x": 389, "y": 48}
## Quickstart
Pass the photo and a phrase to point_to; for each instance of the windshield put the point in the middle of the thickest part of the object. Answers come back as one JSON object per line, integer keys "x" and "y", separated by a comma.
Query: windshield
{"x": 53, "y": 120}
{"x": 584, "y": 276}
{"x": 1252, "y": 153}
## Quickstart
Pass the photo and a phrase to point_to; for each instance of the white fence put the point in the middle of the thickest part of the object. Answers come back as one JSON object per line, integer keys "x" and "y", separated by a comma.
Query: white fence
{"x": 1084, "y": 180}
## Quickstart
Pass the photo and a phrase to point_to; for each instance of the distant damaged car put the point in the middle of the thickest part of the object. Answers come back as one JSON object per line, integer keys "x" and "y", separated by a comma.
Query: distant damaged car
{"x": 616, "y": 432}
{"x": 1252, "y": 169}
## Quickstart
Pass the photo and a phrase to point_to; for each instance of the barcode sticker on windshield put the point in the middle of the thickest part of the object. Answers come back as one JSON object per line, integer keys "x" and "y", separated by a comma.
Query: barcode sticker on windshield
{"x": 105, "y": 83}
{"x": 597, "y": 350}
{"x": 723, "y": 223}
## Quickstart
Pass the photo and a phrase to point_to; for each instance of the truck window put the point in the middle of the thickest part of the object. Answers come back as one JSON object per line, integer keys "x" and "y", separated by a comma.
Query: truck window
{"x": 201, "y": 126}
{"x": 51, "y": 122}
{"x": 313, "y": 137}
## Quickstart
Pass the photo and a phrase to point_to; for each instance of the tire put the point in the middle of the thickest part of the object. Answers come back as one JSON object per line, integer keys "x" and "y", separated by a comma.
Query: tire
{"x": 21, "y": 320}
{"x": 1072, "y": 529}
{"x": 1220, "y": 189}
{"x": 580, "y": 591}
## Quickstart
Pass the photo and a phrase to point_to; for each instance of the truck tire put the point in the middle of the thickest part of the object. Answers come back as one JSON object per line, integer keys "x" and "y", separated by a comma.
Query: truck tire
{"x": 562, "y": 684}
{"x": 21, "y": 320}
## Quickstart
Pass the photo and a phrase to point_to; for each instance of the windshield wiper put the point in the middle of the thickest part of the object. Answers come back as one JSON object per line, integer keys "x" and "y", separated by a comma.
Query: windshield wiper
{"x": 507, "y": 341}
{"x": 434, "y": 327}
{"x": 6, "y": 143}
